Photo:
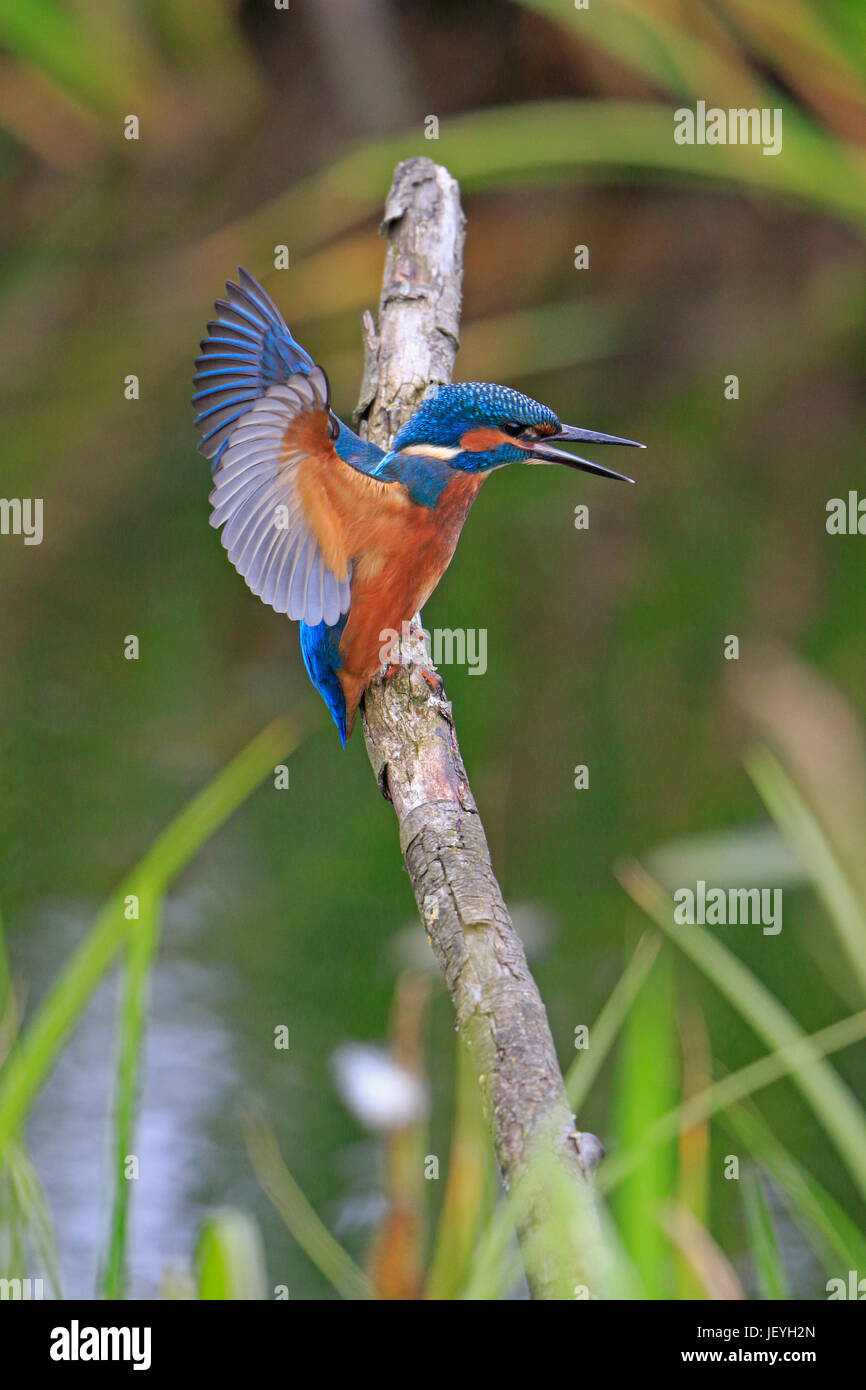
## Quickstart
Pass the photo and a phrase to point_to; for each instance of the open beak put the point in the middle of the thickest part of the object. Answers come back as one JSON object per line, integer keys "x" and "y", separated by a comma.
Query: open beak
{"x": 544, "y": 453}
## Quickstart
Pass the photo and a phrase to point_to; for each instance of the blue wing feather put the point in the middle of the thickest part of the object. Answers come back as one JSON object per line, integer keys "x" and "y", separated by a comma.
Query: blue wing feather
{"x": 249, "y": 349}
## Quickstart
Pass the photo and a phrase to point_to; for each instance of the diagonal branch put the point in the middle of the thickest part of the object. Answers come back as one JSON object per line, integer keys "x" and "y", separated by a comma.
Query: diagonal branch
{"x": 411, "y": 738}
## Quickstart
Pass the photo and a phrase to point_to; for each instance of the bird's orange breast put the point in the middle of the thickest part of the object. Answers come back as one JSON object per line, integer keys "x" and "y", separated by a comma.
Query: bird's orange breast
{"x": 397, "y": 550}
{"x": 406, "y": 550}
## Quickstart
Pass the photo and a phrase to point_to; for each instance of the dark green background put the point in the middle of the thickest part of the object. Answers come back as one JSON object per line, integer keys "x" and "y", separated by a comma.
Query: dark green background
{"x": 605, "y": 646}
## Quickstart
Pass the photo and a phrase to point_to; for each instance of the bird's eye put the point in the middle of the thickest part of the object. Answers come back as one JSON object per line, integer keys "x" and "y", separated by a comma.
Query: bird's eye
{"x": 513, "y": 427}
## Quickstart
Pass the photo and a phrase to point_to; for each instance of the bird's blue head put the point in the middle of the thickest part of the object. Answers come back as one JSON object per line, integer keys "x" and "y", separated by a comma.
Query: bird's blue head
{"x": 474, "y": 426}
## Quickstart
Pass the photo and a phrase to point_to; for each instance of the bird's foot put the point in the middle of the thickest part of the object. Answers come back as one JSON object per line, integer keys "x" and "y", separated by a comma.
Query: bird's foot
{"x": 416, "y": 627}
{"x": 434, "y": 680}
{"x": 391, "y": 670}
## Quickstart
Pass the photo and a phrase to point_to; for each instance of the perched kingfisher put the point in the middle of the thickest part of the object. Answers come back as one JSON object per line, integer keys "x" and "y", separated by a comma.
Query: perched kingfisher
{"x": 327, "y": 528}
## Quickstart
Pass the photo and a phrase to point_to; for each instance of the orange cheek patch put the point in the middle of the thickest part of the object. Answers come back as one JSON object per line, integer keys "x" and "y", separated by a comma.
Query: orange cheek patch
{"x": 480, "y": 440}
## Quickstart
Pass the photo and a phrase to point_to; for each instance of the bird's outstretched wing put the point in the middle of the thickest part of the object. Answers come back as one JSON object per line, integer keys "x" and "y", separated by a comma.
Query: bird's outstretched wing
{"x": 288, "y": 475}
{"x": 249, "y": 347}
{"x": 270, "y": 495}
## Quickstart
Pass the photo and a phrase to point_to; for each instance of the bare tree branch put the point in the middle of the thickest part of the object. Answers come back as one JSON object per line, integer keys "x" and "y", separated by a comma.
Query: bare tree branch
{"x": 412, "y": 742}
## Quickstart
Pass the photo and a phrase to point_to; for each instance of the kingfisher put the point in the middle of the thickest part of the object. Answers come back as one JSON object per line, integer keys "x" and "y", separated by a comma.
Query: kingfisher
{"x": 346, "y": 538}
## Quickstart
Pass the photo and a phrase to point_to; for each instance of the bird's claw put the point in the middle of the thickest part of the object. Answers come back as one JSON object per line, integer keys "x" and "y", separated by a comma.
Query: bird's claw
{"x": 434, "y": 680}
{"x": 416, "y": 628}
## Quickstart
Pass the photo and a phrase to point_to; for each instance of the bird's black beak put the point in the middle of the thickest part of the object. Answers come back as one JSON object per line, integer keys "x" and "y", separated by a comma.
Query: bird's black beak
{"x": 544, "y": 453}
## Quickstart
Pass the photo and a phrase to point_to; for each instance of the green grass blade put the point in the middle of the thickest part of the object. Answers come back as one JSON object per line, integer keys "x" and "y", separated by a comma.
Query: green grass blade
{"x": 552, "y": 142}
{"x": 92, "y": 62}
{"x": 647, "y": 1081}
{"x": 763, "y": 1242}
{"x": 788, "y": 808}
{"x": 230, "y": 1258}
{"x": 833, "y": 1234}
{"x": 470, "y": 1189}
{"x": 496, "y": 1266}
{"x": 132, "y": 1015}
{"x": 586, "y": 1066}
{"x": 314, "y": 1238}
{"x": 27, "y": 1221}
{"x": 8, "y": 1008}
{"x": 33, "y": 1058}
{"x": 689, "y": 1217}
{"x": 733, "y": 1088}
{"x": 571, "y": 1235}
{"x": 832, "y": 1101}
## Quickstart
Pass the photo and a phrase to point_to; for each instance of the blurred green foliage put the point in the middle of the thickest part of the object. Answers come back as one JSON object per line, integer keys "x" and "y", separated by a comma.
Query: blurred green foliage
{"x": 260, "y": 128}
